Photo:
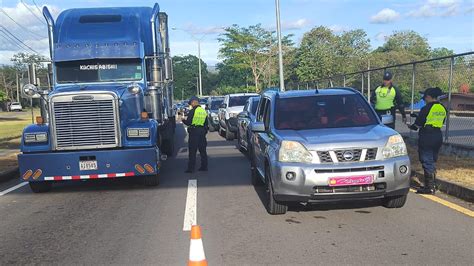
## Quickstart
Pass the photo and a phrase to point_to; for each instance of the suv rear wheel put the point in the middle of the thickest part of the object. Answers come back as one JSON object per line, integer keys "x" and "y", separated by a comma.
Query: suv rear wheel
{"x": 394, "y": 202}
{"x": 273, "y": 207}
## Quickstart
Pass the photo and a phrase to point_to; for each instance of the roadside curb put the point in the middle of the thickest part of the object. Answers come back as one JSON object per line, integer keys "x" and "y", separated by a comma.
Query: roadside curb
{"x": 451, "y": 188}
{"x": 9, "y": 174}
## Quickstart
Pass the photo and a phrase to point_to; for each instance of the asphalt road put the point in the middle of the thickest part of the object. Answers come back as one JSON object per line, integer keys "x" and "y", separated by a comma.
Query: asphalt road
{"x": 122, "y": 222}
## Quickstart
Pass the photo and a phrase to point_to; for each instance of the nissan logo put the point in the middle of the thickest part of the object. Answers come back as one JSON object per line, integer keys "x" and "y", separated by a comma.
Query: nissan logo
{"x": 348, "y": 155}
{"x": 83, "y": 98}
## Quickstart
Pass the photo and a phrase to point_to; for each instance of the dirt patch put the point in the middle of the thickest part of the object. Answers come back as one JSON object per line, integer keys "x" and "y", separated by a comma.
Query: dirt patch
{"x": 450, "y": 168}
{"x": 8, "y": 162}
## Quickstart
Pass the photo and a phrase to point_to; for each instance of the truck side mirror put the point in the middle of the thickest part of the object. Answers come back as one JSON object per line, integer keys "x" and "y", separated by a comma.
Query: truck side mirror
{"x": 387, "y": 119}
{"x": 223, "y": 106}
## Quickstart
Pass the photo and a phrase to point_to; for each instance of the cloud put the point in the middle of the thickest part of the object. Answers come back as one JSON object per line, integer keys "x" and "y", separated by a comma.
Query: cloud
{"x": 436, "y": 8}
{"x": 193, "y": 29}
{"x": 26, "y": 22}
{"x": 385, "y": 16}
{"x": 296, "y": 24}
{"x": 338, "y": 28}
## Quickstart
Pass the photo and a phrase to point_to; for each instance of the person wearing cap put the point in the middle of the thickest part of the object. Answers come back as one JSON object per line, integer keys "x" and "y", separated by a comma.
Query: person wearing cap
{"x": 386, "y": 98}
{"x": 429, "y": 122}
{"x": 197, "y": 130}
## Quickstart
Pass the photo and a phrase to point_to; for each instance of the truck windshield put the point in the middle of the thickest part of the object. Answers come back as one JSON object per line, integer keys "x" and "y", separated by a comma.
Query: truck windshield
{"x": 215, "y": 104}
{"x": 238, "y": 100}
{"x": 324, "y": 111}
{"x": 101, "y": 70}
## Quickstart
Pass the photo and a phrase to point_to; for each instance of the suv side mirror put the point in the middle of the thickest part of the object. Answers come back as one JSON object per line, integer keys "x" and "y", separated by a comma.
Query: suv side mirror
{"x": 223, "y": 105}
{"x": 257, "y": 127}
{"x": 387, "y": 119}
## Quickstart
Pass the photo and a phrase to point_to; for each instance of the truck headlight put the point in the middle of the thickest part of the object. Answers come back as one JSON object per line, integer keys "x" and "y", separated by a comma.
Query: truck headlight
{"x": 395, "y": 147}
{"x": 36, "y": 137}
{"x": 138, "y": 132}
{"x": 294, "y": 152}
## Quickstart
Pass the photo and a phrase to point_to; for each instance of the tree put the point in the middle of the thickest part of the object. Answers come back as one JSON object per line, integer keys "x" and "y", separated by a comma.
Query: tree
{"x": 250, "y": 48}
{"x": 186, "y": 72}
{"x": 409, "y": 42}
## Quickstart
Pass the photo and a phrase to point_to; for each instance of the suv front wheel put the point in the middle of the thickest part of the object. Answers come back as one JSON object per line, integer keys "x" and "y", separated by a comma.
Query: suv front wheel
{"x": 273, "y": 207}
{"x": 394, "y": 202}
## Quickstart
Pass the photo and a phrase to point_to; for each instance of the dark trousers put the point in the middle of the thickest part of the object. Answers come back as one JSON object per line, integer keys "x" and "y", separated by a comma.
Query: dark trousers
{"x": 428, "y": 149}
{"x": 385, "y": 112}
{"x": 197, "y": 141}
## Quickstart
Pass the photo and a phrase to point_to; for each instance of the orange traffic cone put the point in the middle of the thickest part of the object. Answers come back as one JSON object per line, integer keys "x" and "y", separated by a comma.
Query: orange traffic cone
{"x": 196, "y": 249}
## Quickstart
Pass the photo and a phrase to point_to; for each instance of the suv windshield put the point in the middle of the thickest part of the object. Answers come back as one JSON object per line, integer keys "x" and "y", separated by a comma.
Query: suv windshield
{"x": 327, "y": 111}
{"x": 215, "y": 104}
{"x": 99, "y": 70}
{"x": 238, "y": 100}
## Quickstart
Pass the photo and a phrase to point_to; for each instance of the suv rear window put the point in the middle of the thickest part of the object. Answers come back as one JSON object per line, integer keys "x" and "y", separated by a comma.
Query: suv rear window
{"x": 325, "y": 111}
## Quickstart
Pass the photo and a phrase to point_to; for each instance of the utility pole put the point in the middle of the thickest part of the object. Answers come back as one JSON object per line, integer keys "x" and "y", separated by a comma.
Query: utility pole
{"x": 280, "y": 52}
{"x": 200, "y": 74}
{"x": 17, "y": 87}
{"x": 368, "y": 80}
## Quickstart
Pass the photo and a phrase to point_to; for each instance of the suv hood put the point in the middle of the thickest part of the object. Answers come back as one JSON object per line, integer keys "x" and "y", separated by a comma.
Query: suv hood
{"x": 235, "y": 109}
{"x": 334, "y": 138}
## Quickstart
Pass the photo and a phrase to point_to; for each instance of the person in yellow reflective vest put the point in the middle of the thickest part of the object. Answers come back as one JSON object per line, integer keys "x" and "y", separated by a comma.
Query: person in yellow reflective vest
{"x": 429, "y": 122}
{"x": 197, "y": 130}
{"x": 386, "y": 98}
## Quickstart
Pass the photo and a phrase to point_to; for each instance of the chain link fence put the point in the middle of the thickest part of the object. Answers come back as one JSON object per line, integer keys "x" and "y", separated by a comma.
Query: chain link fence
{"x": 453, "y": 74}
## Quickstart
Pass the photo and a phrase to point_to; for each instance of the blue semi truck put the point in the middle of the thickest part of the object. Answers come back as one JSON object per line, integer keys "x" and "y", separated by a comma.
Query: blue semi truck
{"x": 109, "y": 113}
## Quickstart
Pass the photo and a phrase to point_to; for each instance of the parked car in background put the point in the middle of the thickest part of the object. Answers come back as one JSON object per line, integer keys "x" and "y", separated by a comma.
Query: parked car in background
{"x": 203, "y": 101}
{"x": 15, "y": 107}
{"x": 212, "y": 108}
{"x": 326, "y": 145}
{"x": 229, "y": 110}
{"x": 243, "y": 123}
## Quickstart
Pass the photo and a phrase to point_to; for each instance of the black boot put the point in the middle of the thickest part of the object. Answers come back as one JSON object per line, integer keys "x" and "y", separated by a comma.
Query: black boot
{"x": 428, "y": 188}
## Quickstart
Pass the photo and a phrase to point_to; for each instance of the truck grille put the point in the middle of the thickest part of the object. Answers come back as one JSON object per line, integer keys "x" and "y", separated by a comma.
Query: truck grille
{"x": 87, "y": 124}
{"x": 355, "y": 155}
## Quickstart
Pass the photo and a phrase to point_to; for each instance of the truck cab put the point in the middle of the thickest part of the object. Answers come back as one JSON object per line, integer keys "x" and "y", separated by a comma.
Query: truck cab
{"x": 109, "y": 113}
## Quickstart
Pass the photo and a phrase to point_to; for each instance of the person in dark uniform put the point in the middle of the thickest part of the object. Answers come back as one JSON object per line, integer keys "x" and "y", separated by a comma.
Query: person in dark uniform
{"x": 387, "y": 98}
{"x": 197, "y": 130}
{"x": 429, "y": 123}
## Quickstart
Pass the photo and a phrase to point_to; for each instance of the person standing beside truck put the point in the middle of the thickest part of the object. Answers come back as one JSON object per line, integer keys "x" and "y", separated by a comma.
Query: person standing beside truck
{"x": 387, "y": 98}
{"x": 197, "y": 130}
{"x": 429, "y": 123}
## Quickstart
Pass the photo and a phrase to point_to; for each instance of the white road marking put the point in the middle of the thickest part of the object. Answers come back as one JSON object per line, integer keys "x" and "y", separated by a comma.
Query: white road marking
{"x": 190, "y": 213}
{"x": 3, "y": 193}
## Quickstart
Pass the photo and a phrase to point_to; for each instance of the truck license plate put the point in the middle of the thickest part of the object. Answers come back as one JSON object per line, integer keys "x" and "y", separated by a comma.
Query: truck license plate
{"x": 87, "y": 165}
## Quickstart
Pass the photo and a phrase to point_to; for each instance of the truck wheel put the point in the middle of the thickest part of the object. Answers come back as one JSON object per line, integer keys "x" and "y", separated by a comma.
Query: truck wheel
{"x": 151, "y": 180}
{"x": 273, "y": 207}
{"x": 40, "y": 187}
{"x": 168, "y": 147}
{"x": 394, "y": 202}
{"x": 229, "y": 135}
{"x": 221, "y": 132}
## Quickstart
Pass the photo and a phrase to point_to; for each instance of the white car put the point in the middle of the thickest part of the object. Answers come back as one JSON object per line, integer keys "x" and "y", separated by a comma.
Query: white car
{"x": 231, "y": 107}
{"x": 15, "y": 106}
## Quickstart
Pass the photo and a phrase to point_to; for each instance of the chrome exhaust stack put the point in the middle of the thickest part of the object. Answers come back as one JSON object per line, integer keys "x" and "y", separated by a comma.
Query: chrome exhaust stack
{"x": 155, "y": 90}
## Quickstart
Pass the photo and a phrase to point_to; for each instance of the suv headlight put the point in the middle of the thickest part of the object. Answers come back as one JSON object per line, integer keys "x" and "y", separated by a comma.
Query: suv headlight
{"x": 36, "y": 137}
{"x": 138, "y": 132}
{"x": 294, "y": 152}
{"x": 395, "y": 147}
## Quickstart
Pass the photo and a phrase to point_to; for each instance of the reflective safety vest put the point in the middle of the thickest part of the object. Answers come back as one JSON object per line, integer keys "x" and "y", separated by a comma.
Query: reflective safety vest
{"x": 384, "y": 98}
{"x": 436, "y": 116}
{"x": 200, "y": 116}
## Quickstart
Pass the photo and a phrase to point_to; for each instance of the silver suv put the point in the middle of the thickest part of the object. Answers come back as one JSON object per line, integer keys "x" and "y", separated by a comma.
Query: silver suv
{"x": 326, "y": 145}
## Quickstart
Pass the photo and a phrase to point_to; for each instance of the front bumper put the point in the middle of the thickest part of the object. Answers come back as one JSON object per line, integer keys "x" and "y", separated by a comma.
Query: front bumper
{"x": 311, "y": 183}
{"x": 110, "y": 163}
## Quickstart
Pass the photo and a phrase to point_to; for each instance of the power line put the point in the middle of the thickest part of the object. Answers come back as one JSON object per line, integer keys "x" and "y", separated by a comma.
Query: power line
{"x": 37, "y": 7}
{"x": 21, "y": 26}
{"x": 11, "y": 40}
{"x": 16, "y": 38}
{"x": 32, "y": 12}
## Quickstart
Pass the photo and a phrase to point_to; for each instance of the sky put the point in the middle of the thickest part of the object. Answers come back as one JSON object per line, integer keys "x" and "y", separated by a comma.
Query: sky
{"x": 445, "y": 23}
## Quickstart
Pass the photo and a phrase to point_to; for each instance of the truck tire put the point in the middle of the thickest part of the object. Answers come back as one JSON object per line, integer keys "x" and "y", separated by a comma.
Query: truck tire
{"x": 221, "y": 132}
{"x": 151, "y": 180}
{"x": 394, "y": 202}
{"x": 40, "y": 187}
{"x": 229, "y": 135}
{"x": 273, "y": 207}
